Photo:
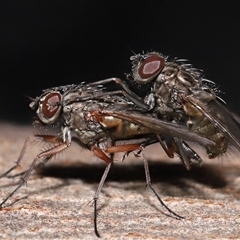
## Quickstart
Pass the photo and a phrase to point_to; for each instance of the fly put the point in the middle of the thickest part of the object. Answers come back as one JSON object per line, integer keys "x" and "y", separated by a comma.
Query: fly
{"x": 100, "y": 120}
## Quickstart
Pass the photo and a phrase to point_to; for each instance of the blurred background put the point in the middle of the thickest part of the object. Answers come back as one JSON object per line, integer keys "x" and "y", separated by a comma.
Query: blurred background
{"x": 53, "y": 43}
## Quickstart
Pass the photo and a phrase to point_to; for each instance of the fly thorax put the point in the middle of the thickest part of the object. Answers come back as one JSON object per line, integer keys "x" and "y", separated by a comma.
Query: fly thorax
{"x": 86, "y": 136}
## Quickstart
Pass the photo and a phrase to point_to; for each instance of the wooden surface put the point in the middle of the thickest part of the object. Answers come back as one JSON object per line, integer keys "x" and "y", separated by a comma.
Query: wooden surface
{"x": 56, "y": 203}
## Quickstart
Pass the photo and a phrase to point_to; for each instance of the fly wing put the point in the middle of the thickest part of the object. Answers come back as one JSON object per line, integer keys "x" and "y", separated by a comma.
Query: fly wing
{"x": 157, "y": 126}
{"x": 222, "y": 118}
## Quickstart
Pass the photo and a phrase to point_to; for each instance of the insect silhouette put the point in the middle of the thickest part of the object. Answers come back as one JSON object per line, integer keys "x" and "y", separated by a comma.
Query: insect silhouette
{"x": 100, "y": 120}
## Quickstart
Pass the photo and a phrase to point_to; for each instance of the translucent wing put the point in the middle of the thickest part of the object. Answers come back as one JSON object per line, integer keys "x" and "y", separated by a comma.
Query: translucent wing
{"x": 217, "y": 113}
{"x": 158, "y": 126}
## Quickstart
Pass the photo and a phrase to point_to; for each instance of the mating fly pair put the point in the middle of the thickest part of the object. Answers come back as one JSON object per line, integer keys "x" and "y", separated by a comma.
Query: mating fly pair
{"x": 176, "y": 105}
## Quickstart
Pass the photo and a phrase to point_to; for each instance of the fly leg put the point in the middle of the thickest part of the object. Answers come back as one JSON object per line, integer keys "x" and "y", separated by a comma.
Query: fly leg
{"x": 100, "y": 154}
{"x": 23, "y": 180}
{"x": 191, "y": 153}
{"x": 124, "y": 148}
{"x": 173, "y": 145}
{"x": 186, "y": 154}
{"x": 119, "y": 82}
{"x": 149, "y": 184}
{"x": 127, "y": 92}
{"x": 45, "y": 138}
{"x": 167, "y": 147}
{"x": 19, "y": 158}
{"x": 96, "y": 196}
{"x": 45, "y": 156}
{"x": 38, "y": 165}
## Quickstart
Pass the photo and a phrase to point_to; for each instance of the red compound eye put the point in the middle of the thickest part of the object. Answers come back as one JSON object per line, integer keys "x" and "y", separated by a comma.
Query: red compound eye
{"x": 49, "y": 108}
{"x": 151, "y": 66}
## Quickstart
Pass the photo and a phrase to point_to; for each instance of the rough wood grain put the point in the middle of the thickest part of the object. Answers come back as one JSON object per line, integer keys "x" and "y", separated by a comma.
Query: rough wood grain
{"x": 56, "y": 203}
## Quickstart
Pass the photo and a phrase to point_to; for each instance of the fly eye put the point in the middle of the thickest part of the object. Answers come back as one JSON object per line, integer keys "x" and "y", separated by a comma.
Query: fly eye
{"x": 149, "y": 68}
{"x": 49, "y": 109}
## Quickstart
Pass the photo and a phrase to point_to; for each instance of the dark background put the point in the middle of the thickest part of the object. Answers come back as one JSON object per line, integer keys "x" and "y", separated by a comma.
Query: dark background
{"x": 53, "y": 43}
